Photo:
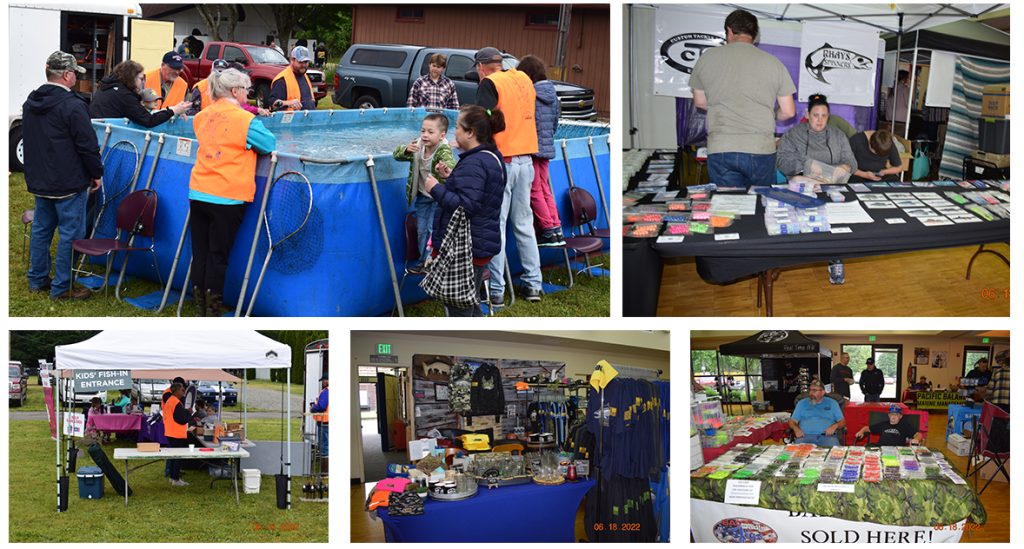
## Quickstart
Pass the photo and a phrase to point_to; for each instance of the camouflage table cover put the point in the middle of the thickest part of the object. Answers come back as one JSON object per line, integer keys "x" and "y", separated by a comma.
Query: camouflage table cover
{"x": 894, "y": 502}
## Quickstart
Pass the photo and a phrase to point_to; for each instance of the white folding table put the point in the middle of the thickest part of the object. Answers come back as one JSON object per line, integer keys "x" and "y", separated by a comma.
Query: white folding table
{"x": 178, "y": 453}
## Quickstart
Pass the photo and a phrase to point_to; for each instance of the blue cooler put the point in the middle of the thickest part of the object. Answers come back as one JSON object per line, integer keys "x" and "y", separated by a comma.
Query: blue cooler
{"x": 90, "y": 482}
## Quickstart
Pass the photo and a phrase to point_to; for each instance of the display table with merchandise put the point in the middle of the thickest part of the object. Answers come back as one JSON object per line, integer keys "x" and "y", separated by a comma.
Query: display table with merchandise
{"x": 858, "y": 414}
{"x": 900, "y": 492}
{"x": 773, "y": 430}
{"x": 507, "y": 514}
{"x": 752, "y": 251}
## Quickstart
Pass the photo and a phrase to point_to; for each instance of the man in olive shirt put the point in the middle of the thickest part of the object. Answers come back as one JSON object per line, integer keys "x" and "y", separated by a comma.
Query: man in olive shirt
{"x": 738, "y": 85}
{"x": 842, "y": 376}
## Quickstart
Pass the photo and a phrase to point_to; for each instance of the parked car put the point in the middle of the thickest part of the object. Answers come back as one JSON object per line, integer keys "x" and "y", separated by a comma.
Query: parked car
{"x": 371, "y": 76}
{"x": 149, "y": 391}
{"x": 17, "y": 383}
{"x": 208, "y": 391}
{"x": 264, "y": 62}
{"x": 83, "y": 398}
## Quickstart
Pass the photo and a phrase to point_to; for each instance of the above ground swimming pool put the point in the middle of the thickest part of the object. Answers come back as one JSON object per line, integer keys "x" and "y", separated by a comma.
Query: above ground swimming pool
{"x": 337, "y": 263}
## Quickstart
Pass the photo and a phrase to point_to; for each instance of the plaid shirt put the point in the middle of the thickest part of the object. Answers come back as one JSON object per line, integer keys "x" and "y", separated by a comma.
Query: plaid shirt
{"x": 999, "y": 387}
{"x": 425, "y": 93}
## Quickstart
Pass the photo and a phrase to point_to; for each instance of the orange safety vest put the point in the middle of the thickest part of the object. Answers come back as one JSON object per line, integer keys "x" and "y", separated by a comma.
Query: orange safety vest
{"x": 173, "y": 429}
{"x": 224, "y": 167}
{"x": 293, "y": 85}
{"x": 179, "y": 89}
{"x": 204, "y": 91}
{"x": 323, "y": 418}
{"x": 517, "y": 100}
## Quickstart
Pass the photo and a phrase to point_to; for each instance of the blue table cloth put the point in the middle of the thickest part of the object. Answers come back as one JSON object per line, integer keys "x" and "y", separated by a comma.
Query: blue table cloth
{"x": 958, "y": 416}
{"x": 507, "y": 514}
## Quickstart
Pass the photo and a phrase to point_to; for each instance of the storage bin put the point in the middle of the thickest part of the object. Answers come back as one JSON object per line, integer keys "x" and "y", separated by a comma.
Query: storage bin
{"x": 251, "y": 481}
{"x": 994, "y": 135}
{"x": 90, "y": 482}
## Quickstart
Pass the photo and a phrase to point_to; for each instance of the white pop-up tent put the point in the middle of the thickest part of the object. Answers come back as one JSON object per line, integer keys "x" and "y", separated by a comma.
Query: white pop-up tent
{"x": 149, "y": 352}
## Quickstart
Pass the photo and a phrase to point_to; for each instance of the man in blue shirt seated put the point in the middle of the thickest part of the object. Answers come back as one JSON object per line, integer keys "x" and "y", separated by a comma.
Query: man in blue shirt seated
{"x": 817, "y": 418}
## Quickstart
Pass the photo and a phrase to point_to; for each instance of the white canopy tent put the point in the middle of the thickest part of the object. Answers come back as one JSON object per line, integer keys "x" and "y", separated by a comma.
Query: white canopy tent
{"x": 200, "y": 354}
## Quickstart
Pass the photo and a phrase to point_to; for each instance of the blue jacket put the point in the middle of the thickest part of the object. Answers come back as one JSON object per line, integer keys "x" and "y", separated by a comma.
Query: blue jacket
{"x": 62, "y": 154}
{"x": 546, "y": 115}
{"x": 477, "y": 184}
{"x": 322, "y": 402}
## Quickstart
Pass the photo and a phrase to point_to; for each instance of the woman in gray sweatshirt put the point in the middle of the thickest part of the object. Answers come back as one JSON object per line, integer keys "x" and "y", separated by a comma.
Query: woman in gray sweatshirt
{"x": 815, "y": 140}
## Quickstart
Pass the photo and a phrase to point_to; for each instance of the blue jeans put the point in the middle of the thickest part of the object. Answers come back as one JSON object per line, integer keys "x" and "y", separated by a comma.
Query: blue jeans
{"x": 872, "y": 398}
{"x": 741, "y": 169}
{"x": 324, "y": 439}
{"x": 516, "y": 206}
{"x": 818, "y": 440}
{"x": 425, "y": 207}
{"x": 67, "y": 216}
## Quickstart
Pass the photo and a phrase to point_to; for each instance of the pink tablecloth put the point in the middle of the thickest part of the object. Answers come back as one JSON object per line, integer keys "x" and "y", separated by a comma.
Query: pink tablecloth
{"x": 772, "y": 430}
{"x": 114, "y": 423}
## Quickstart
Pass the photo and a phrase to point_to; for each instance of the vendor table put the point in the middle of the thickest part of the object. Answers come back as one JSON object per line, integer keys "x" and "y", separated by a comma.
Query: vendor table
{"x": 507, "y": 514}
{"x": 895, "y": 502}
{"x": 152, "y": 431}
{"x": 114, "y": 423}
{"x": 757, "y": 253}
{"x": 774, "y": 430}
{"x": 958, "y": 415}
{"x": 858, "y": 414}
{"x": 177, "y": 453}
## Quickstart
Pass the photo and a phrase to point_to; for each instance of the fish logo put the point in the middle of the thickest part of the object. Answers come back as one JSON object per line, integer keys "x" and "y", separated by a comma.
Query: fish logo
{"x": 827, "y": 58}
{"x": 682, "y": 50}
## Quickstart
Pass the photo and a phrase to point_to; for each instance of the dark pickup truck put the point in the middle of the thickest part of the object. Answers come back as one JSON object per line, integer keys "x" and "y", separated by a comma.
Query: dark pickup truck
{"x": 264, "y": 62}
{"x": 371, "y": 76}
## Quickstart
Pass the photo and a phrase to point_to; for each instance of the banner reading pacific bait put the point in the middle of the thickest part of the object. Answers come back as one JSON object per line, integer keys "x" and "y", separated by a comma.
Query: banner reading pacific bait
{"x": 680, "y": 39}
{"x": 839, "y": 61}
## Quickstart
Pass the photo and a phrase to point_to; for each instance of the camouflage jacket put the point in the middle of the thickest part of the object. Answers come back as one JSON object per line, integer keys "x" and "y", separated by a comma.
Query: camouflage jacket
{"x": 460, "y": 380}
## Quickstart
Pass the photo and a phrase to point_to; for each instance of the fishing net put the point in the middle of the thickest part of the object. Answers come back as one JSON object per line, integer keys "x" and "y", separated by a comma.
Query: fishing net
{"x": 119, "y": 168}
{"x": 294, "y": 224}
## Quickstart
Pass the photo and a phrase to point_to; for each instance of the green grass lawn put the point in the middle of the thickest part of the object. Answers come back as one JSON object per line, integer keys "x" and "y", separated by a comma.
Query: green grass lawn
{"x": 157, "y": 511}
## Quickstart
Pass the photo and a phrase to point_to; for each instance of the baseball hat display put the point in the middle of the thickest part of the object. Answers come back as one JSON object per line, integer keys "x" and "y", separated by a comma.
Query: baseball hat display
{"x": 60, "y": 61}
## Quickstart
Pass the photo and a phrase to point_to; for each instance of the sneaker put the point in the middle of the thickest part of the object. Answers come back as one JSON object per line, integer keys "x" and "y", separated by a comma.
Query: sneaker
{"x": 44, "y": 287}
{"x": 418, "y": 269}
{"x": 76, "y": 294}
{"x": 178, "y": 482}
{"x": 836, "y": 275}
{"x": 531, "y": 294}
{"x": 550, "y": 241}
{"x": 497, "y": 302}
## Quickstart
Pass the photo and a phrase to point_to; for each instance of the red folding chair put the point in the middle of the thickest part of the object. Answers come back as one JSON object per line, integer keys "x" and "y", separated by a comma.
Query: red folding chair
{"x": 991, "y": 441}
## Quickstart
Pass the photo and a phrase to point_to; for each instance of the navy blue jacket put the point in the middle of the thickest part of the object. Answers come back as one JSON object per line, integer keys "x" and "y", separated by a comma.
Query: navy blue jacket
{"x": 546, "y": 115}
{"x": 477, "y": 184}
{"x": 62, "y": 154}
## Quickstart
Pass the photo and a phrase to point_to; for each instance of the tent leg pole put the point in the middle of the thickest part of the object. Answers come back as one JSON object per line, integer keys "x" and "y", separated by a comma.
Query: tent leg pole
{"x": 288, "y": 438}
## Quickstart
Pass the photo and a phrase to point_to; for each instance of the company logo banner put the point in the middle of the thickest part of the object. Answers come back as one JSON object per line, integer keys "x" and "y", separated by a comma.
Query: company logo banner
{"x": 839, "y": 61}
{"x": 680, "y": 39}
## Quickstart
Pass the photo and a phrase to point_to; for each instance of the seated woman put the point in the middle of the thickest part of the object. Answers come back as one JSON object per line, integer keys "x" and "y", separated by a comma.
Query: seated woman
{"x": 816, "y": 140}
{"x": 895, "y": 432}
{"x": 873, "y": 149}
{"x": 122, "y": 399}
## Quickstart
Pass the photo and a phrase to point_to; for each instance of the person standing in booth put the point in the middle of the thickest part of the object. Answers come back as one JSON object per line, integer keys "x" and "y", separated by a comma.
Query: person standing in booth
{"x": 176, "y": 422}
{"x": 872, "y": 381}
{"x": 291, "y": 89}
{"x": 842, "y": 376}
{"x": 323, "y": 404}
{"x": 167, "y": 82}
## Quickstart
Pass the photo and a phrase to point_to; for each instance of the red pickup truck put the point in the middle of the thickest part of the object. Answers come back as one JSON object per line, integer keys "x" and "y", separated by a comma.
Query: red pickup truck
{"x": 264, "y": 61}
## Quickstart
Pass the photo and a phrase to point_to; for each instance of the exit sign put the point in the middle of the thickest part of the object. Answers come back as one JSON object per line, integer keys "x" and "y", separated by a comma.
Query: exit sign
{"x": 871, "y": 338}
{"x": 984, "y": 340}
{"x": 383, "y": 349}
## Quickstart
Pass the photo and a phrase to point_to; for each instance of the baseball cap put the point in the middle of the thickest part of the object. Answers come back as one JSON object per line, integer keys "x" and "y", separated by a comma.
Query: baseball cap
{"x": 869, "y": 361}
{"x": 323, "y": 377}
{"x": 487, "y": 55}
{"x": 173, "y": 60}
{"x": 60, "y": 61}
{"x": 300, "y": 53}
{"x": 895, "y": 408}
{"x": 817, "y": 383}
{"x": 149, "y": 95}
{"x": 522, "y": 386}
{"x": 220, "y": 65}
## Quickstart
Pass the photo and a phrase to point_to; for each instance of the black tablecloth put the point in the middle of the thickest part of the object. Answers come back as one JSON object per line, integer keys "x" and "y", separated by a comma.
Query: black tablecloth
{"x": 756, "y": 251}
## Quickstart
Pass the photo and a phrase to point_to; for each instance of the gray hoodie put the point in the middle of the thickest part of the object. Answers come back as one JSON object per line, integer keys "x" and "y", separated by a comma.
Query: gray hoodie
{"x": 831, "y": 147}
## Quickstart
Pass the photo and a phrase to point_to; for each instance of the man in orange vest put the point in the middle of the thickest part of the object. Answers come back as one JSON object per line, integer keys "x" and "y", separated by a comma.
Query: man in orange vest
{"x": 291, "y": 90}
{"x": 323, "y": 404}
{"x": 165, "y": 80}
{"x": 512, "y": 91}
{"x": 176, "y": 422}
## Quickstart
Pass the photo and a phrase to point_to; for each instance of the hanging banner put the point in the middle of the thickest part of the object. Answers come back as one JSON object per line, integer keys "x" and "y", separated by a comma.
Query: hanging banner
{"x": 680, "y": 39}
{"x": 74, "y": 424}
{"x": 44, "y": 376}
{"x": 712, "y": 522}
{"x": 839, "y": 62}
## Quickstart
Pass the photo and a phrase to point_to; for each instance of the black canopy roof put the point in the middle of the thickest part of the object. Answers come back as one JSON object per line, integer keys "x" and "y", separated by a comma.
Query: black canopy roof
{"x": 775, "y": 343}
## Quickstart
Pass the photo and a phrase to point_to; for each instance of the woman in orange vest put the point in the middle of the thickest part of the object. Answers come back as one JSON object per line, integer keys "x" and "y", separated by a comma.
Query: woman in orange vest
{"x": 176, "y": 422}
{"x": 323, "y": 405}
{"x": 223, "y": 181}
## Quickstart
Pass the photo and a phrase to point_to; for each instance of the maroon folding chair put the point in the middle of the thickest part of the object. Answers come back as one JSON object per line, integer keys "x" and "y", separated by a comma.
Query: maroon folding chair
{"x": 135, "y": 217}
{"x": 584, "y": 212}
{"x": 991, "y": 441}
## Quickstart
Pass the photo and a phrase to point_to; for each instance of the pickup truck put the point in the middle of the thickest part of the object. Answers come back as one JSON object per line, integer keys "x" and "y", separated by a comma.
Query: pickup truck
{"x": 371, "y": 76}
{"x": 264, "y": 61}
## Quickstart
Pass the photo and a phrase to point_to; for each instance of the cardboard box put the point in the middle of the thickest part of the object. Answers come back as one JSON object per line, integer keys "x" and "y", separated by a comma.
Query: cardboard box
{"x": 959, "y": 445}
{"x": 148, "y": 447}
{"x": 995, "y": 101}
{"x": 991, "y": 469}
{"x": 83, "y": 86}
